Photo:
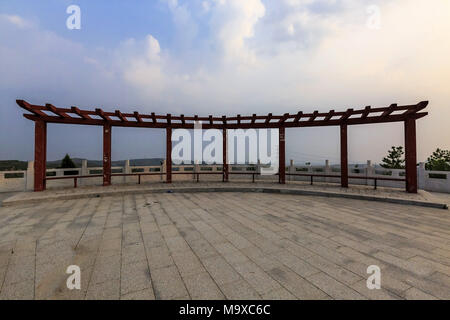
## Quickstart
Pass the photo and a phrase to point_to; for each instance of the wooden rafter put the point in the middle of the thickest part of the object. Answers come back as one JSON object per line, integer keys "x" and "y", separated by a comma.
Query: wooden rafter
{"x": 51, "y": 114}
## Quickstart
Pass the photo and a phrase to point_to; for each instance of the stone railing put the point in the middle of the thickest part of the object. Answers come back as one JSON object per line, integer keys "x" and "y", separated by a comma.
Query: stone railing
{"x": 438, "y": 181}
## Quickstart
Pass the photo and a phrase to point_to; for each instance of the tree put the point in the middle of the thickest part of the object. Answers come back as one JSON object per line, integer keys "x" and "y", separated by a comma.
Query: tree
{"x": 439, "y": 161}
{"x": 66, "y": 162}
{"x": 394, "y": 159}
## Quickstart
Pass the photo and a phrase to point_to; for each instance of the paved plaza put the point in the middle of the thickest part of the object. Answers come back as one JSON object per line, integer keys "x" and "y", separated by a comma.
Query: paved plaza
{"x": 223, "y": 245}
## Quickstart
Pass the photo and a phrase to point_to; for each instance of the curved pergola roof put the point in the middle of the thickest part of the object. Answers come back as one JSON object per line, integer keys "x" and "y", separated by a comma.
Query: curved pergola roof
{"x": 393, "y": 113}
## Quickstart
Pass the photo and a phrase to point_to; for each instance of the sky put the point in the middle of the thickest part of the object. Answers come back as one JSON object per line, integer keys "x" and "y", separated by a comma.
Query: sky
{"x": 225, "y": 57}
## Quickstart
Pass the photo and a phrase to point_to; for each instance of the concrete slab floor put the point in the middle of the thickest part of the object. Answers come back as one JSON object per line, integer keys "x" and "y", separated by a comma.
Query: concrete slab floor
{"x": 223, "y": 246}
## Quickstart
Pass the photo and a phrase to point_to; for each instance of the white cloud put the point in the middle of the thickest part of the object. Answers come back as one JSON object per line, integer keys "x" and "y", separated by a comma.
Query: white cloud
{"x": 15, "y": 20}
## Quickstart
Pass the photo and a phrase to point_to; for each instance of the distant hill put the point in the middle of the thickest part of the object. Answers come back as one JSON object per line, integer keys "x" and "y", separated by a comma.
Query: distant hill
{"x": 11, "y": 165}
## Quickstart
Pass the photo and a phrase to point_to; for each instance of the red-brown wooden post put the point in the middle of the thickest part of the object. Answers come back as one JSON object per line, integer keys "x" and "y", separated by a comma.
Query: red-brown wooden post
{"x": 40, "y": 154}
{"x": 282, "y": 156}
{"x": 410, "y": 155}
{"x": 224, "y": 155}
{"x": 169, "y": 155}
{"x": 344, "y": 157}
{"x": 106, "y": 154}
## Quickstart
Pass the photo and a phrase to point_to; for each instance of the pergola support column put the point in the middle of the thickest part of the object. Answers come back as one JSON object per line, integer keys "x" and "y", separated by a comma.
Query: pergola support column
{"x": 40, "y": 154}
{"x": 224, "y": 155}
{"x": 169, "y": 155}
{"x": 410, "y": 156}
{"x": 282, "y": 156}
{"x": 344, "y": 157}
{"x": 106, "y": 154}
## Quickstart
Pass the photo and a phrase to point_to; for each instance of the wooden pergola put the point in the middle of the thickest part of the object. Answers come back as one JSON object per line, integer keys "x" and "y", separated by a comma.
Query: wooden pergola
{"x": 41, "y": 115}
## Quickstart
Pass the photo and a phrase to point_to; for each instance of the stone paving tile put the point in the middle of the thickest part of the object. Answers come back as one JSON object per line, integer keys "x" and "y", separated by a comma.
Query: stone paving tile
{"x": 168, "y": 284}
{"x": 134, "y": 276}
{"x": 240, "y": 290}
{"x": 146, "y": 294}
{"x": 298, "y": 286}
{"x": 334, "y": 288}
{"x": 223, "y": 245}
{"x": 416, "y": 294}
{"x": 220, "y": 270}
{"x": 202, "y": 286}
{"x": 108, "y": 290}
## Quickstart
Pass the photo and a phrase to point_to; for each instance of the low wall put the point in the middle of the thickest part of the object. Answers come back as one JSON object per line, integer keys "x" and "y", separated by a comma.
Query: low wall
{"x": 437, "y": 181}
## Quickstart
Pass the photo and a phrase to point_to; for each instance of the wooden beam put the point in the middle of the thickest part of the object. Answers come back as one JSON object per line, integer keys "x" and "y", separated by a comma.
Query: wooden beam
{"x": 314, "y": 116}
{"x": 25, "y": 105}
{"x": 53, "y": 109}
{"x": 225, "y": 155}
{"x": 347, "y": 114}
{"x": 137, "y": 116}
{"x": 169, "y": 118}
{"x": 153, "y": 117}
{"x": 410, "y": 156}
{"x": 268, "y": 118}
{"x": 40, "y": 154}
{"x": 102, "y": 114}
{"x": 254, "y": 118}
{"x": 344, "y": 157}
{"x": 120, "y": 116}
{"x": 365, "y": 112}
{"x": 298, "y": 117}
{"x": 168, "y": 155}
{"x": 284, "y": 118}
{"x": 183, "y": 121}
{"x": 210, "y": 119}
{"x": 282, "y": 156}
{"x": 79, "y": 113}
{"x": 107, "y": 154}
{"x": 329, "y": 115}
{"x": 389, "y": 110}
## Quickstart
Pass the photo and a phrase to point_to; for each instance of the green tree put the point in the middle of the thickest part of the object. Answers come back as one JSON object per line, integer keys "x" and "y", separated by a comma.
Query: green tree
{"x": 66, "y": 162}
{"x": 439, "y": 161}
{"x": 394, "y": 159}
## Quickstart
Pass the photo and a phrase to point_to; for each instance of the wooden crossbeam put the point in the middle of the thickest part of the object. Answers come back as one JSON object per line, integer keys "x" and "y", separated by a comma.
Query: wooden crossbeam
{"x": 137, "y": 116}
{"x": 347, "y": 114}
{"x": 30, "y": 108}
{"x": 79, "y": 113}
{"x": 420, "y": 106}
{"x": 389, "y": 110}
{"x": 314, "y": 116}
{"x": 102, "y": 114}
{"x": 53, "y": 109}
{"x": 298, "y": 117}
{"x": 284, "y": 118}
{"x": 365, "y": 112}
{"x": 120, "y": 116}
{"x": 63, "y": 115}
{"x": 329, "y": 115}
